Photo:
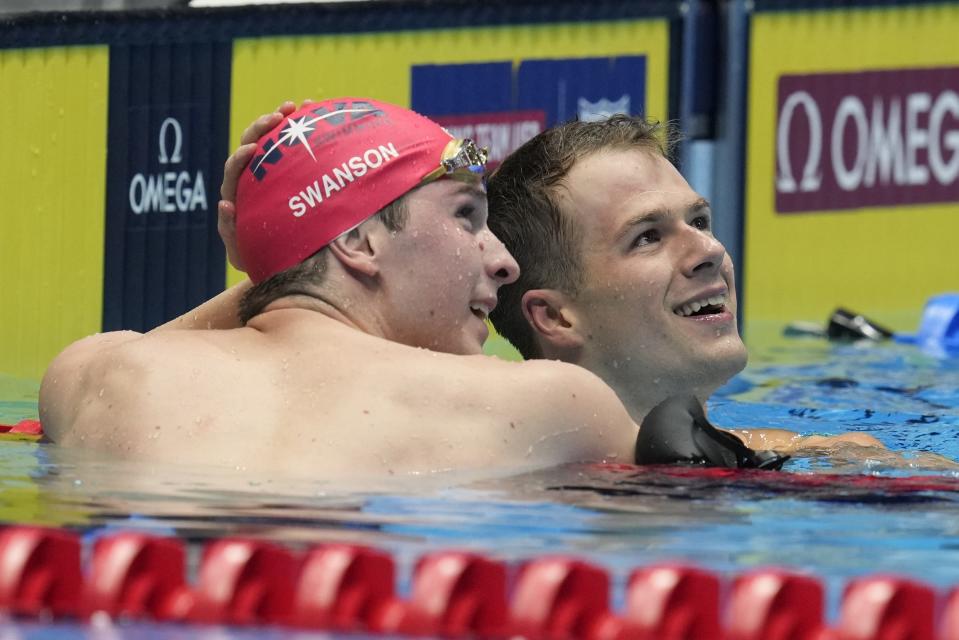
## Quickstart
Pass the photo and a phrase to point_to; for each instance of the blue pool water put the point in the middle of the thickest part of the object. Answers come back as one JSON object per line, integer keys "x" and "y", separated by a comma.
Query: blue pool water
{"x": 905, "y": 397}
{"x": 908, "y": 399}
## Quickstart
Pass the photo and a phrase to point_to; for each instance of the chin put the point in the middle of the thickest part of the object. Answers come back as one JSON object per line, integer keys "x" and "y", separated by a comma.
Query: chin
{"x": 716, "y": 368}
{"x": 727, "y": 365}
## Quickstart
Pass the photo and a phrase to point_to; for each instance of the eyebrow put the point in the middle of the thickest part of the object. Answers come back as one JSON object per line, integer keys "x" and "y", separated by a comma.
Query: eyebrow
{"x": 658, "y": 215}
{"x": 470, "y": 190}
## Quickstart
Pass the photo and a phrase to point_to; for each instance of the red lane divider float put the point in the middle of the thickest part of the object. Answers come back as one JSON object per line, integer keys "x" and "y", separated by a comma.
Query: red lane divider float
{"x": 39, "y": 572}
{"x": 949, "y": 625}
{"x": 887, "y": 608}
{"x": 560, "y": 597}
{"x": 672, "y": 602}
{"x": 23, "y": 430}
{"x": 244, "y": 582}
{"x": 134, "y": 575}
{"x": 344, "y": 588}
{"x": 454, "y": 594}
{"x": 773, "y": 604}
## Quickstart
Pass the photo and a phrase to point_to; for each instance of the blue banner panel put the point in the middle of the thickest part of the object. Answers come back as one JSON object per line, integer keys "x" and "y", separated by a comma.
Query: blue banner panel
{"x": 583, "y": 88}
{"x": 167, "y": 138}
{"x": 562, "y": 89}
{"x": 452, "y": 89}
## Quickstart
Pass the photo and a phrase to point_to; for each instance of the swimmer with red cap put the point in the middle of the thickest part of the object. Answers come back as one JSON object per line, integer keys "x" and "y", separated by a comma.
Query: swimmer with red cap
{"x": 329, "y": 167}
{"x": 363, "y": 226}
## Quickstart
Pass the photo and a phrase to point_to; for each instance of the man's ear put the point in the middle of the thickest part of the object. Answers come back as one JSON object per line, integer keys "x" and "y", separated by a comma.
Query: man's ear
{"x": 553, "y": 317}
{"x": 357, "y": 250}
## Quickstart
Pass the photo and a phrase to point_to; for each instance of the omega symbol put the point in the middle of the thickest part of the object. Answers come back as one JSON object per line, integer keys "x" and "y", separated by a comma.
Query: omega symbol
{"x": 177, "y": 142}
{"x": 812, "y": 173}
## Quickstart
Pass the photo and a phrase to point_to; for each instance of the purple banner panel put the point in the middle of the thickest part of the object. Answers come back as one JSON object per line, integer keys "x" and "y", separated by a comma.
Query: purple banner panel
{"x": 501, "y": 133}
{"x": 867, "y": 139}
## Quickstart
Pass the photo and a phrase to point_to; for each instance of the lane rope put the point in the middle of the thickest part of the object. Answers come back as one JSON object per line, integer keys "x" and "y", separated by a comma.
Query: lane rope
{"x": 455, "y": 594}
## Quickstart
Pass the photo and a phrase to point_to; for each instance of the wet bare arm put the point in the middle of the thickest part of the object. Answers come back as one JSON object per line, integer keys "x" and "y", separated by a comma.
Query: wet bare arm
{"x": 219, "y": 312}
{"x": 848, "y": 448}
{"x": 789, "y": 441}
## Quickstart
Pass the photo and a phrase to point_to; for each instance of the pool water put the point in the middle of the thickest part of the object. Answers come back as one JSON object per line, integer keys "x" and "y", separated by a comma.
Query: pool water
{"x": 620, "y": 519}
{"x": 907, "y": 398}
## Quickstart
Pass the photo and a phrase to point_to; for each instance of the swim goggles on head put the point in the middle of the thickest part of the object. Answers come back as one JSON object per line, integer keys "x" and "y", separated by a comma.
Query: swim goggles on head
{"x": 459, "y": 157}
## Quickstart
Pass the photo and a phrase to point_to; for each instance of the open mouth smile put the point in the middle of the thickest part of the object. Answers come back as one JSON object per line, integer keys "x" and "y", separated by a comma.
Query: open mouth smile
{"x": 710, "y": 305}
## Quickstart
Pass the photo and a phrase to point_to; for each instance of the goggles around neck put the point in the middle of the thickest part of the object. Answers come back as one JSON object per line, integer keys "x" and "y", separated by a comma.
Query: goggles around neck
{"x": 460, "y": 157}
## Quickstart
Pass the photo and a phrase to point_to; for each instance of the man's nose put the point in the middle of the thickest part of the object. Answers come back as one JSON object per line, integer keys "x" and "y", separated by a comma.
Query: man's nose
{"x": 704, "y": 253}
{"x": 500, "y": 264}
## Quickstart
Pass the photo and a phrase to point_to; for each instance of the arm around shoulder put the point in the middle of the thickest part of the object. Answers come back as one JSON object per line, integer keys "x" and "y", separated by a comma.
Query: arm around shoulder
{"x": 219, "y": 312}
{"x": 785, "y": 441}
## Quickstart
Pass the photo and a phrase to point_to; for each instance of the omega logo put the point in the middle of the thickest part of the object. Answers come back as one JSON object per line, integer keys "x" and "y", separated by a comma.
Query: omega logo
{"x": 896, "y": 140}
{"x": 168, "y": 191}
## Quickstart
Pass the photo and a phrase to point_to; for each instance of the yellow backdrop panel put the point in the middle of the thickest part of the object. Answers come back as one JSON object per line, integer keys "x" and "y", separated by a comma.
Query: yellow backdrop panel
{"x": 880, "y": 261}
{"x": 267, "y": 71}
{"x": 51, "y": 211}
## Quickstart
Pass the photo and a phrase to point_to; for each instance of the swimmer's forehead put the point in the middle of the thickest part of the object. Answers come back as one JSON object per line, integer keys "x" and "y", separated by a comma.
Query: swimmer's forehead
{"x": 658, "y": 205}
{"x": 457, "y": 188}
{"x": 661, "y": 211}
{"x": 619, "y": 179}
{"x": 469, "y": 184}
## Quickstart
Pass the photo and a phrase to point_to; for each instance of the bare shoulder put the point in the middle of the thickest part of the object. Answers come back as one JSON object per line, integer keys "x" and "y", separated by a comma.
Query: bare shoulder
{"x": 533, "y": 413}
{"x": 69, "y": 375}
{"x": 564, "y": 409}
{"x": 102, "y": 373}
{"x": 556, "y": 383}
{"x": 66, "y": 372}
{"x": 84, "y": 349}
{"x": 545, "y": 387}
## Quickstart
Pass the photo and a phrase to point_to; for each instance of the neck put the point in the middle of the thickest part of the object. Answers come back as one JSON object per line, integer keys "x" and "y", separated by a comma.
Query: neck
{"x": 344, "y": 310}
{"x": 637, "y": 389}
{"x": 640, "y": 394}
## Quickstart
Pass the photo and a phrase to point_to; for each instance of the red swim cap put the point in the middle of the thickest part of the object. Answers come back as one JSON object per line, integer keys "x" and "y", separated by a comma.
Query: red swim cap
{"x": 325, "y": 169}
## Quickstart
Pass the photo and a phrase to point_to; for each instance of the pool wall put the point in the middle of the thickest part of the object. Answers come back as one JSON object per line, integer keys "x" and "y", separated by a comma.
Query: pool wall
{"x": 124, "y": 119}
{"x": 852, "y": 166}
